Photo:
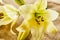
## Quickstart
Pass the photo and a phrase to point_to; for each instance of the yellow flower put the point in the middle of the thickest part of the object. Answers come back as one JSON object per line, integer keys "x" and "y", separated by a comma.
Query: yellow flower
{"x": 7, "y": 14}
{"x": 37, "y": 19}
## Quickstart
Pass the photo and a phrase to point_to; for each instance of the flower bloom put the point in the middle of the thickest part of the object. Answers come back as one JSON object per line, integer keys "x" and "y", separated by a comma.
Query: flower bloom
{"x": 37, "y": 19}
{"x": 7, "y": 14}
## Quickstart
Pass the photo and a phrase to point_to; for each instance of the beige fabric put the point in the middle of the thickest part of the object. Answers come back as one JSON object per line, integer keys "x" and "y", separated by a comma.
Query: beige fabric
{"x": 56, "y": 1}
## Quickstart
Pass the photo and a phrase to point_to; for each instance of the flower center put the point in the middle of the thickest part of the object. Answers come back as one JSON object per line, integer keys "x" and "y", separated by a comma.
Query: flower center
{"x": 39, "y": 18}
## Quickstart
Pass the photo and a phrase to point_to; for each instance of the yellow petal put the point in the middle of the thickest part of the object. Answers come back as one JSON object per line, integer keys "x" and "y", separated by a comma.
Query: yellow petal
{"x": 11, "y": 11}
{"x": 26, "y": 10}
{"x": 32, "y": 22}
{"x": 5, "y": 21}
{"x": 22, "y": 27}
{"x": 53, "y": 14}
{"x": 51, "y": 28}
{"x": 9, "y": 14}
{"x": 40, "y": 4}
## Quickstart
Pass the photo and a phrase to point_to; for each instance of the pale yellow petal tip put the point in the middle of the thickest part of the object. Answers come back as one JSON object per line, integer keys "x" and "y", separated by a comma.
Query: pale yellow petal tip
{"x": 11, "y": 6}
{"x": 40, "y": 4}
{"x": 52, "y": 31}
{"x": 53, "y": 14}
{"x": 11, "y": 11}
{"x": 51, "y": 28}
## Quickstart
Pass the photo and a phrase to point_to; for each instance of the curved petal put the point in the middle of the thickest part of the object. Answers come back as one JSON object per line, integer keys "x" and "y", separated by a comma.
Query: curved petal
{"x": 12, "y": 24}
{"x": 9, "y": 14}
{"x": 26, "y": 10}
{"x": 40, "y": 4}
{"x": 51, "y": 28}
{"x": 5, "y": 21}
{"x": 11, "y": 11}
{"x": 53, "y": 14}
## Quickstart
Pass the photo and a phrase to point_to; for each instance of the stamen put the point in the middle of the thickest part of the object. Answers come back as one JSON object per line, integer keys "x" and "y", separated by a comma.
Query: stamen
{"x": 1, "y": 15}
{"x": 35, "y": 14}
{"x": 37, "y": 21}
{"x": 38, "y": 17}
{"x": 42, "y": 19}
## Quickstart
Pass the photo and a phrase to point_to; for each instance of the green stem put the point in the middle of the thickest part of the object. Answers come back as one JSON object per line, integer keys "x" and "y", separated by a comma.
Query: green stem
{"x": 22, "y": 35}
{"x": 20, "y": 2}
